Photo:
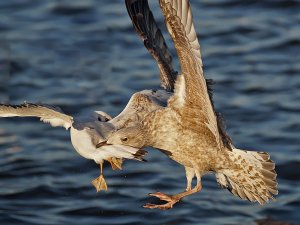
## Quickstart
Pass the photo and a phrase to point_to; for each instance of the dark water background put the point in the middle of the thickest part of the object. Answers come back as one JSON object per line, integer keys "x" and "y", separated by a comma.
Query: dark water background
{"x": 85, "y": 56}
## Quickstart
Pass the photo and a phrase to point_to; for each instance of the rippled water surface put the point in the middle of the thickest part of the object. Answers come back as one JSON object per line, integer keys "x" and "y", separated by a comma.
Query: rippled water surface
{"x": 85, "y": 56}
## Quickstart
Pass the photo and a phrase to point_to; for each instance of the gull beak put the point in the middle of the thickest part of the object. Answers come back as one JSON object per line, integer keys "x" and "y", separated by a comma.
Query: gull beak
{"x": 101, "y": 144}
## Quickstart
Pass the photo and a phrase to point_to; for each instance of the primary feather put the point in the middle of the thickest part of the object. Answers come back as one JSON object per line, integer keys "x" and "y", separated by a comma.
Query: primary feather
{"x": 47, "y": 113}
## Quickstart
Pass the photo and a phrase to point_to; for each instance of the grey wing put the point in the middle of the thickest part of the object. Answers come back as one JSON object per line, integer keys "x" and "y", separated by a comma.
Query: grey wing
{"x": 47, "y": 113}
{"x": 146, "y": 27}
{"x": 95, "y": 136}
{"x": 103, "y": 129}
{"x": 97, "y": 131}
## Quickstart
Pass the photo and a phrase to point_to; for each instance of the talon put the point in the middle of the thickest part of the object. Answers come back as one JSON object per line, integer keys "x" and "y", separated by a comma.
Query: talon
{"x": 161, "y": 207}
{"x": 149, "y": 206}
{"x": 153, "y": 194}
{"x": 162, "y": 196}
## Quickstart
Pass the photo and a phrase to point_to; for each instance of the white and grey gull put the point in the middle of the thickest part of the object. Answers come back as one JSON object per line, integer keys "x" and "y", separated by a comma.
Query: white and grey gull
{"x": 85, "y": 134}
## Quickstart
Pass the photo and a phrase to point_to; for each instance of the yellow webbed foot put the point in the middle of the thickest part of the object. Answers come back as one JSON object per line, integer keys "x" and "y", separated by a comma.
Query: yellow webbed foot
{"x": 100, "y": 183}
{"x": 116, "y": 164}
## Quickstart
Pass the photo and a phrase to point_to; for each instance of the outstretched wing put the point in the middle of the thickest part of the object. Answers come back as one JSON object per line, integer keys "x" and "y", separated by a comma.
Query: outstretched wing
{"x": 191, "y": 93}
{"x": 48, "y": 114}
{"x": 139, "y": 105}
{"x": 146, "y": 27}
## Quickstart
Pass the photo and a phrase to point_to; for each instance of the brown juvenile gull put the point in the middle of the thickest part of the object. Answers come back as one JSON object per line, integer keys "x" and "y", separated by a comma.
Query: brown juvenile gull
{"x": 188, "y": 127}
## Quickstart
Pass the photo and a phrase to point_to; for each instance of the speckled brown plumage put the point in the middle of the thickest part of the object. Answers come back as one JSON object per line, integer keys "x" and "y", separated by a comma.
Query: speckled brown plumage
{"x": 188, "y": 127}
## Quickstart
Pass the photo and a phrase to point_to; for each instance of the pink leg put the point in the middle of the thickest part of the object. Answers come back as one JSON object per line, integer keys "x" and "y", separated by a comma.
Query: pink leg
{"x": 171, "y": 199}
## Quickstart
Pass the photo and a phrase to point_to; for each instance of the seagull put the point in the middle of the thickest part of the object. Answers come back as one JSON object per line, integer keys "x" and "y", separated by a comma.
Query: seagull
{"x": 85, "y": 134}
{"x": 190, "y": 131}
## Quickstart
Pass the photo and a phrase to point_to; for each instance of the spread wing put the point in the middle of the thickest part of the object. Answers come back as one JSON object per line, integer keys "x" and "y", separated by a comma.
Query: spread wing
{"x": 146, "y": 27}
{"x": 48, "y": 114}
{"x": 191, "y": 95}
{"x": 139, "y": 105}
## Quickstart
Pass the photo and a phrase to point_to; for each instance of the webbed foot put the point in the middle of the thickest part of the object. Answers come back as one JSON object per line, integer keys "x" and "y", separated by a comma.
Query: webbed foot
{"x": 100, "y": 183}
{"x": 171, "y": 200}
{"x": 116, "y": 163}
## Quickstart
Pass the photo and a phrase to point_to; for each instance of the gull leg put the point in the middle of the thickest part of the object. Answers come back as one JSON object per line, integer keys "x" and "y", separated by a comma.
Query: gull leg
{"x": 100, "y": 183}
{"x": 198, "y": 176}
{"x": 189, "y": 173}
{"x": 171, "y": 199}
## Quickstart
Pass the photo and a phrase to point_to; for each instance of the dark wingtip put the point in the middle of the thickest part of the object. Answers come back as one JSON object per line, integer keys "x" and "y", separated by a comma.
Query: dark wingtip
{"x": 33, "y": 105}
{"x": 227, "y": 141}
{"x": 220, "y": 120}
{"x": 148, "y": 30}
{"x": 140, "y": 154}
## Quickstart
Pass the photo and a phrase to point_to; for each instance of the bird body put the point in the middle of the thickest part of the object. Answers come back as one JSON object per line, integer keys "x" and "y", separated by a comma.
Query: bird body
{"x": 84, "y": 144}
{"x": 188, "y": 129}
{"x": 190, "y": 145}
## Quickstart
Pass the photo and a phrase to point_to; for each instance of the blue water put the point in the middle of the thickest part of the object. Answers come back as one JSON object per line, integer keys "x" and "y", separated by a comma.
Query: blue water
{"x": 85, "y": 56}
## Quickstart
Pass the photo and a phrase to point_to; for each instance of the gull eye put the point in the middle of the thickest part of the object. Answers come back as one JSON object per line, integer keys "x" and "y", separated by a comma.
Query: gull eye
{"x": 124, "y": 139}
{"x": 103, "y": 119}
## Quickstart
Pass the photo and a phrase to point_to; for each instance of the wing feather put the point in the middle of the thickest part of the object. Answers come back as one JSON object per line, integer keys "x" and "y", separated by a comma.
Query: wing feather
{"x": 191, "y": 95}
{"x": 47, "y": 113}
{"x": 139, "y": 105}
{"x": 146, "y": 27}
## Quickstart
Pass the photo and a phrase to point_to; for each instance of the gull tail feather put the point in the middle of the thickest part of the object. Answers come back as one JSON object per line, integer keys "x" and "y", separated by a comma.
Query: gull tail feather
{"x": 254, "y": 177}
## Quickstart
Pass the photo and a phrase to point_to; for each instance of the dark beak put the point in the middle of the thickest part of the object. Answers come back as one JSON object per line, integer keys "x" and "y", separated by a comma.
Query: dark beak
{"x": 101, "y": 144}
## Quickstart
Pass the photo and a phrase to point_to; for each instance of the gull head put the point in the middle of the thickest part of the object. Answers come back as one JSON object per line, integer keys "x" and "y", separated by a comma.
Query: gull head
{"x": 131, "y": 136}
{"x": 101, "y": 116}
